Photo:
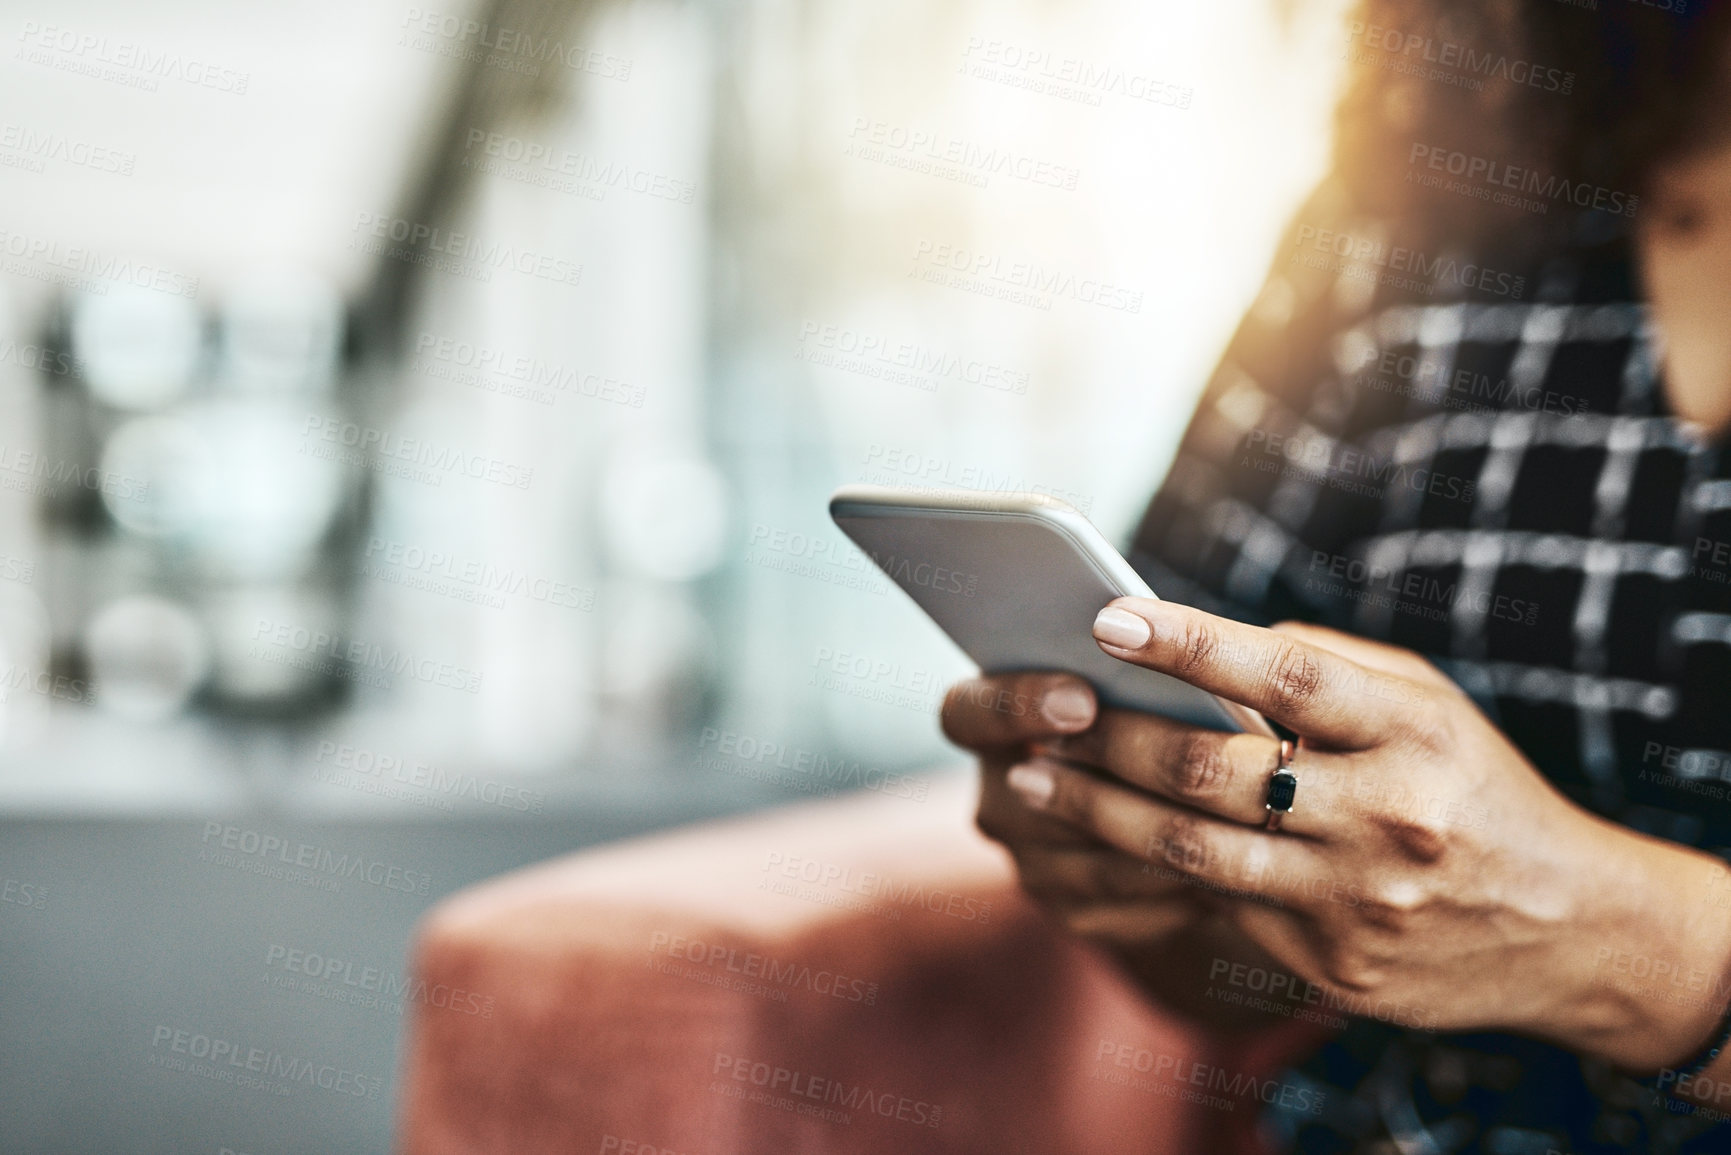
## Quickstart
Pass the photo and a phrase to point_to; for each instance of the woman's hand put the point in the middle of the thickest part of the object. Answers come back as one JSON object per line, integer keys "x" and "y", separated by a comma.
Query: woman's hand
{"x": 1165, "y": 932}
{"x": 1427, "y": 874}
{"x": 1094, "y": 889}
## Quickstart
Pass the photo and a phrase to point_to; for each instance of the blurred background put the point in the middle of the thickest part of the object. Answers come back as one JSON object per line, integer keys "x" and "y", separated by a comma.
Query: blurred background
{"x": 415, "y": 431}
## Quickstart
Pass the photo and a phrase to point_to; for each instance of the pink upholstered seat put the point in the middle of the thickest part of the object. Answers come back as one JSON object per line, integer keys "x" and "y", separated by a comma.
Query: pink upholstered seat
{"x": 851, "y": 976}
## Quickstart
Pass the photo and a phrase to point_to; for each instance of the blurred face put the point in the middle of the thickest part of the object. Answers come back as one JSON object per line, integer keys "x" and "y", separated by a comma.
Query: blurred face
{"x": 1685, "y": 255}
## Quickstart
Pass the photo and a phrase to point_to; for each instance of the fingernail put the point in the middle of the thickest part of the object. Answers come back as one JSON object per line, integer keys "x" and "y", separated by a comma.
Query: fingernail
{"x": 1121, "y": 628}
{"x": 1033, "y": 782}
{"x": 1068, "y": 707}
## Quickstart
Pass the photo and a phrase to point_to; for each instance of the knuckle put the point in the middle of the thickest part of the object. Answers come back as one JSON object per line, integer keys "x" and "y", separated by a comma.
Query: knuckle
{"x": 1350, "y": 967}
{"x": 1391, "y": 906}
{"x": 1071, "y": 798}
{"x": 1196, "y": 647}
{"x": 1418, "y": 837}
{"x": 1026, "y": 689}
{"x": 1294, "y": 677}
{"x": 1109, "y": 880}
{"x": 1203, "y": 769}
{"x": 1016, "y": 700}
{"x": 1429, "y": 728}
{"x": 1188, "y": 843}
{"x": 1080, "y": 921}
{"x": 1098, "y": 879}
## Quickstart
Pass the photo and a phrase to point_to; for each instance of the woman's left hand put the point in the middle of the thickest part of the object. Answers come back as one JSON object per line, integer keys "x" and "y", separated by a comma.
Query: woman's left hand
{"x": 1426, "y": 875}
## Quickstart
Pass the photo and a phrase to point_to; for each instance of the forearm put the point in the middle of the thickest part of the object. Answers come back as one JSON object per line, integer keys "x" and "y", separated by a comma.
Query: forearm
{"x": 1646, "y": 969}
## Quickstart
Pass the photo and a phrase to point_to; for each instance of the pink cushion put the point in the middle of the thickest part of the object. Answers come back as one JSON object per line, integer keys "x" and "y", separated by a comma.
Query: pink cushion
{"x": 851, "y": 976}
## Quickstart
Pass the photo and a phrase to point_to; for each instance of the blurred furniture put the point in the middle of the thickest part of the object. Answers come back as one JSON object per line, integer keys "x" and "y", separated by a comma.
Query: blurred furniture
{"x": 717, "y": 990}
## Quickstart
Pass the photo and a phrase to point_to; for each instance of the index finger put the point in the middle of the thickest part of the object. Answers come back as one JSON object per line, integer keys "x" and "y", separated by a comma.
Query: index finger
{"x": 1312, "y": 691}
{"x": 1003, "y": 710}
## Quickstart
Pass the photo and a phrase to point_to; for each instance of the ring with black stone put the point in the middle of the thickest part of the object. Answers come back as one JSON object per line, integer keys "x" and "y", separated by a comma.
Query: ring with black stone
{"x": 1282, "y": 788}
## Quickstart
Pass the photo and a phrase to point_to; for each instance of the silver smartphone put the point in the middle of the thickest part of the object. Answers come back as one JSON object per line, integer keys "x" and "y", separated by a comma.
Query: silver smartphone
{"x": 1015, "y": 580}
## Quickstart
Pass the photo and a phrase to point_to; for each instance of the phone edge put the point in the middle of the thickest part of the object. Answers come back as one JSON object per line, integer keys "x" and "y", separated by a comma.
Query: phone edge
{"x": 1061, "y": 516}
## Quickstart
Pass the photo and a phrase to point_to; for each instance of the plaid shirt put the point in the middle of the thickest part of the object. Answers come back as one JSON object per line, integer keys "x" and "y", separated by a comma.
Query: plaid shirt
{"x": 1476, "y": 461}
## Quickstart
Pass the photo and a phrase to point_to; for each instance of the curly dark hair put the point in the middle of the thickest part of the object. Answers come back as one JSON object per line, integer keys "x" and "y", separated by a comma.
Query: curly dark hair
{"x": 1594, "y": 92}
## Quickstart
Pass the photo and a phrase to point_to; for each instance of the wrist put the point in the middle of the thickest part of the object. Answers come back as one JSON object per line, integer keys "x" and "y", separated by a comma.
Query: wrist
{"x": 1644, "y": 974}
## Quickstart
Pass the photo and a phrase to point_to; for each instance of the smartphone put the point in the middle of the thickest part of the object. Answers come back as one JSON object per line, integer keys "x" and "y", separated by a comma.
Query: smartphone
{"x": 1015, "y": 580}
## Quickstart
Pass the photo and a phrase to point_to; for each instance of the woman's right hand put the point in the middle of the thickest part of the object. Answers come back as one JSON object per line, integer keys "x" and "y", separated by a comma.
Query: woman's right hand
{"x": 1167, "y": 935}
{"x": 1094, "y": 890}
